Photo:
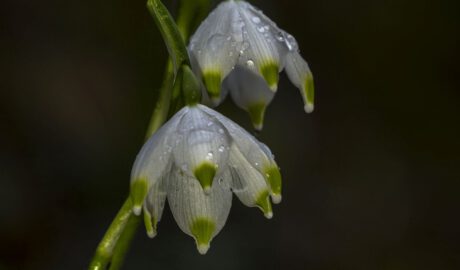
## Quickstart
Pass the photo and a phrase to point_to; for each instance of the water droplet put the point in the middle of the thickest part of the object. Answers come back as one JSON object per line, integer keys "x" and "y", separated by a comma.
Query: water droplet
{"x": 256, "y": 164}
{"x": 210, "y": 123}
{"x": 290, "y": 42}
{"x": 255, "y": 19}
{"x": 210, "y": 155}
{"x": 216, "y": 42}
{"x": 221, "y": 130}
{"x": 229, "y": 38}
{"x": 279, "y": 37}
{"x": 250, "y": 63}
{"x": 221, "y": 148}
{"x": 261, "y": 29}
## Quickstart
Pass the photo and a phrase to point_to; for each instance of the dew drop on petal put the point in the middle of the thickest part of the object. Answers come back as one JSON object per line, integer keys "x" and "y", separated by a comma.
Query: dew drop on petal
{"x": 210, "y": 155}
{"x": 221, "y": 130}
{"x": 279, "y": 36}
{"x": 250, "y": 63}
{"x": 255, "y": 19}
{"x": 221, "y": 148}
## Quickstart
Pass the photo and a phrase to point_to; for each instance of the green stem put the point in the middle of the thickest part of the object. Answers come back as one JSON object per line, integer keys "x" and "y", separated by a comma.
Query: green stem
{"x": 162, "y": 106}
{"x": 171, "y": 35}
{"x": 124, "y": 242}
{"x": 191, "y": 13}
{"x": 105, "y": 249}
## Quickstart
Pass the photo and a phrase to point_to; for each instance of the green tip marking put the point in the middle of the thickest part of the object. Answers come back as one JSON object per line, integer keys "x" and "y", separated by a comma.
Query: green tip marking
{"x": 212, "y": 80}
{"x": 150, "y": 224}
{"x": 203, "y": 230}
{"x": 271, "y": 75}
{"x": 139, "y": 189}
{"x": 273, "y": 176}
{"x": 205, "y": 174}
{"x": 309, "y": 93}
{"x": 263, "y": 202}
{"x": 257, "y": 112}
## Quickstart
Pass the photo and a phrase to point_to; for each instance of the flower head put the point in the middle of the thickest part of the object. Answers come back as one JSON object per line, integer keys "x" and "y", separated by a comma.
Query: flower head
{"x": 196, "y": 160}
{"x": 238, "y": 38}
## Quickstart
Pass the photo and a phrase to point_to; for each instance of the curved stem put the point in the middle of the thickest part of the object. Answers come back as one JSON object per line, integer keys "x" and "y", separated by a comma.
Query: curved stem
{"x": 162, "y": 106}
{"x": 124, "y": 242}
{"x": 104, "y": 251}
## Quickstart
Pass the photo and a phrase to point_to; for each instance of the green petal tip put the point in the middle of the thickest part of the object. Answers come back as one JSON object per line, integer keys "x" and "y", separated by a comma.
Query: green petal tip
{"x": 263, "y": 202}
{"x": 202, "y": 230}
{"x": 139, "y": 189}
{"x": 212, "y": 80}
{"x": 150, "y": 224}
{"x": 270, "y": 72}
{"x": 273, "y": 176}
{"x": 205, "y": 174}
{"x": 257, "y": 112}
{"x": 309, "y": 90}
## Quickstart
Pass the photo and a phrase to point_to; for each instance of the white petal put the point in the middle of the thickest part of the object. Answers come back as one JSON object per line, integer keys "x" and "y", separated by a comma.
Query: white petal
{"x": 202, "y": 144}
{"x": 248, "y": 184}
{"x": 197, "y": 214}
{"x": 154, "y": 205}
{"x": 300, "y": 75}
{"x": 152, "y": 161}
{"x": 260, "y": 51}
{"x": 250, "y": 92}
{"x": 214, "y": 47}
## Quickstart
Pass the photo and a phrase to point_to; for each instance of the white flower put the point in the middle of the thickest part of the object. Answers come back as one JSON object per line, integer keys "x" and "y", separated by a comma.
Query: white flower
{"x": 238, "y": 38}
{"x": 196, "y": 160}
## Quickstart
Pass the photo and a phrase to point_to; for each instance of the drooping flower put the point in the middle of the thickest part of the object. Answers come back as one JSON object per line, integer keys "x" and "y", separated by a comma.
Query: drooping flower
{"x": 195, "y": 161}
{"x": 238, "y": 38}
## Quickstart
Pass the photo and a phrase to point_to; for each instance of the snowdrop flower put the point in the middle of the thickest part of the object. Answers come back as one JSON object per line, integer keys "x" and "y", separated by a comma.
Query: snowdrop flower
{"x": 238, "y": 38}
{"x": 195, "y": 161}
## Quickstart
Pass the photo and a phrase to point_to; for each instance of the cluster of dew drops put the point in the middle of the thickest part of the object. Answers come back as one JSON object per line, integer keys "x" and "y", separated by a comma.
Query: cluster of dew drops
{"x": 269, "y": 30}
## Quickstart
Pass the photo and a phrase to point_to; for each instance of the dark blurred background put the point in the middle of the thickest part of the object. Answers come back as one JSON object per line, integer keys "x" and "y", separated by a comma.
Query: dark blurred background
{"x": 371, "y": 178}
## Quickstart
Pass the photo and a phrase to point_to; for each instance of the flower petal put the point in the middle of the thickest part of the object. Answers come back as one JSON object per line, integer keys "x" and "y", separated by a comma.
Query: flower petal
{"x": 213, "y": 47}
{"x": 248, "y": 184}
{"x": 259, "y": 52}
{"x": 152, "y": 161}
{"x": 154, "y": 205}
{"x": 197, "y": 214}
{"x": 200, "y": 149}
{"x": 250, "y": 92}
{"x": 300, "y": 75}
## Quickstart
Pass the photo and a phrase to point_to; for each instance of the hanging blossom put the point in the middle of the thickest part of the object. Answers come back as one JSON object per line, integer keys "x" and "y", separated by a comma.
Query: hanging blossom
{"x": 195, "y": 161}
{"x": 238, "y": 49}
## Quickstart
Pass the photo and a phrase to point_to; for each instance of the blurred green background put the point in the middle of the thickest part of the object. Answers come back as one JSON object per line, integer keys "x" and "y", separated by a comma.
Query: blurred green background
{"x": 371, "y": 178}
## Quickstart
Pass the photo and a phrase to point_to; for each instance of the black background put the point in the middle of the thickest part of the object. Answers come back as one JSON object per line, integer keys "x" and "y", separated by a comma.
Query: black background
{"x": 371, "y": 178}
